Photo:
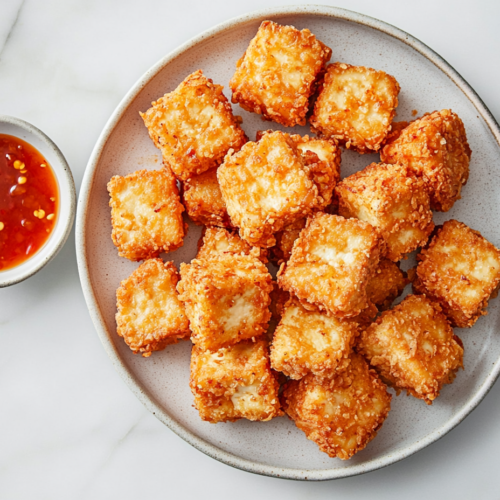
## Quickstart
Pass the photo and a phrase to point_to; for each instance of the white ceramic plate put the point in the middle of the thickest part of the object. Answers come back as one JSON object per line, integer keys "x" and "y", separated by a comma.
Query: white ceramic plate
{"x": 277, "y": 448}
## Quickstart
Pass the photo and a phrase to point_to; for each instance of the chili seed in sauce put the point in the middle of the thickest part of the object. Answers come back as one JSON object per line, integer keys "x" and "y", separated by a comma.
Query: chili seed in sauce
{"x": 27, "y": 186}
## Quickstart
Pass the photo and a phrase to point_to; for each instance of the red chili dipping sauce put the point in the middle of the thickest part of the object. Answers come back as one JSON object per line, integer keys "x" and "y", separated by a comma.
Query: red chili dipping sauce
{"x": 28, "y": 201}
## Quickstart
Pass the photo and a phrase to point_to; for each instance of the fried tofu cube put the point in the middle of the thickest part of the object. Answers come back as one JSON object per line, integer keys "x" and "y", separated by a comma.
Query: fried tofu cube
{"x": 278, "y": 300}
{"x": 366, "y": 317}
{"x": 435, "y": 147}
{"x": 234, "y": 382}
{"x": 146, "y": 214}
{"x": 332, "y": 261}
{"x": 311, "y": 342}
{"x": 460, "y": 269}
{"x": 276, "y": 76}
{"x": 323, "y": 157}
{"x": 386, "y": 284}
{"x": 193, "y": 126}
{"x": 396, "y": 129}
{"x": 343, "y": 414}
{"x": 226, "y": 298}
{"x": 150, "y": 315}
{"x": 285, "y": 240}
{"x": 413, "y": 347}
{"x": 392, "y": 199}
{"x": 203, "y": 200}
{"x": 355, "y": 106}
{"x": 267, "y": 186}
{"x": 218, "y": 241}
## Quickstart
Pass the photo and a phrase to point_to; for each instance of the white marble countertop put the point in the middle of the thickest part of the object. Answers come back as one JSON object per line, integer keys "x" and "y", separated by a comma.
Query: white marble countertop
{"x": 70, "y": 428}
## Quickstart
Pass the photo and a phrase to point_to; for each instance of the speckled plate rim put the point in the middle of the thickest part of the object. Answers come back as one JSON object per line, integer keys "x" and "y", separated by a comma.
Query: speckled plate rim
{"x": 65, "y": 181}
{"x": 136, "y": 387}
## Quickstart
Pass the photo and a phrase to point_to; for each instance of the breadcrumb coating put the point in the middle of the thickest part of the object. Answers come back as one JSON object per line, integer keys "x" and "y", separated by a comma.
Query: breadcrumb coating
{"x": 366, "y": 317}
{"x": 343, "y": 414}
{"x": 194, "y": 126}
{"x": 460, "y": 269}
{"x": 311, "y": 342}
{"x": 413, "y": 347}
{"x": 284, "y": 241}
{"x": 146, "y": 214}
{"x": 234, "y": 382}
{"x": 386, "y": 284}
{"x": 267, "y": 186}
{"x": 355, "y": 106}
{"x": 150, "y": 315}
{"x": 276, "y": 76}
{"x": 435, "y": 147}
{"x": 332, "y": 261}
{"x": 323, "y": 157}
{"x": 203, "y": 200}
{"x": 392, "y": 199}
{"x": 278, "y": 300}
{"x": 218, "y": 241}
{"x": 226, "y": 298}
{"x": 396, "y": 129}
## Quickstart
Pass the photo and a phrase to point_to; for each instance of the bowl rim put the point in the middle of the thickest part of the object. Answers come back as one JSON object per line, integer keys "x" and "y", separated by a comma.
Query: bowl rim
{"x": 134, "y": 384}
{"x": 62, "y": 175}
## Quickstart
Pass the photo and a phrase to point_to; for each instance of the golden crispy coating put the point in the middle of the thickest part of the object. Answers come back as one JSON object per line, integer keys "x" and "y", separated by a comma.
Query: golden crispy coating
{"x": 203, "y": 200}
{"x": 150, "y": 315}
{"x": 341, "y": 415}
{"x": 323, "y": 157}
{"x": 146, "y": 214}
{"x": 311, "y": 342}
{"x": 413, "y": 347}
{"x": 436, "y": 148}
{"x": 278, "y": 300}
{"x": 276, "y": 75}
{"x": 396, "y": 129}
{"x": 392, "y": 199}
{"x": 226, "y": 299}
{"x": 193, "y": 126}
{"x": 366, "y": 317}
{"x": 332, "y": 261}
{"x": 216, "y": 241}
{"x": 386, "y": 284}
{"x": 267, "y": 186}
{"x": 461, "y": 270}
{"x": 356, "y": 106}
{"x": 284, "y": 241}
{"x": 234, "y": 382}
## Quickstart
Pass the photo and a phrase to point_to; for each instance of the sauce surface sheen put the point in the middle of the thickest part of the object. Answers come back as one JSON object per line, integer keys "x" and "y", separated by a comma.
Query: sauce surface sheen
{"x": 28, "y": 201}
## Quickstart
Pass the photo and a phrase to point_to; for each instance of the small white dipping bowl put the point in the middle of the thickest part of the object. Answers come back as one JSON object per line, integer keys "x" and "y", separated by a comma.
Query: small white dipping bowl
{"x": 67, "y": 199}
